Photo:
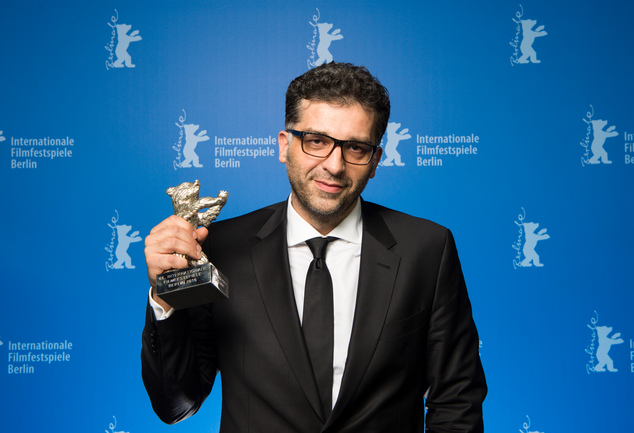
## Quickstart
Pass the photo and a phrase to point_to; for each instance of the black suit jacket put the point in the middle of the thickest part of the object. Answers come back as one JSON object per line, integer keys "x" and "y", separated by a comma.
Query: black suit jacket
{"x": 413, "y": 342}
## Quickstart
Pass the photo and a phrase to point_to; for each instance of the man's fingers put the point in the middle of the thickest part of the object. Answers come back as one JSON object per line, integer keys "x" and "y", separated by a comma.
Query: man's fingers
{"x": 172, "y": 235}
{"x": 171, "y": 221}
{"x": 173, "y": 239}
{"x": 159, "y": 263}
{"x": 164, "y": 262}
{"x": 182, "y": 243}
{"x": 201, "y": 234}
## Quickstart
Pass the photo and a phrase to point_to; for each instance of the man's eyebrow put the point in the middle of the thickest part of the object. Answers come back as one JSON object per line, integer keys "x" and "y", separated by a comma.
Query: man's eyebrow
{"x": 360, "y": 140}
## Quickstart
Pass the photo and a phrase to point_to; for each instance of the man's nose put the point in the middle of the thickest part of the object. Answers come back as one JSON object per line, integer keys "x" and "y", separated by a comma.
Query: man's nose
{"x": 334, "y": 163}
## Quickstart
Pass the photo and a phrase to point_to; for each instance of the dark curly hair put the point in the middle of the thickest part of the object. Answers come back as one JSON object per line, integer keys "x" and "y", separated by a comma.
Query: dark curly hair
{"x": 341, "y": 84}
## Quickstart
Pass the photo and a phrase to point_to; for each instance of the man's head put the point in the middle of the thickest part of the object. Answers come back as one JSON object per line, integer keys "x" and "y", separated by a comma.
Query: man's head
{"x": 343, "y": 102}
{"x": 340, "y": 84}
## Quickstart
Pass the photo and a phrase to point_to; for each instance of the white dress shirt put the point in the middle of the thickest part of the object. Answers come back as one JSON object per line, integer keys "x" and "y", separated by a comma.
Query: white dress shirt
{"x": 343, "y": 258}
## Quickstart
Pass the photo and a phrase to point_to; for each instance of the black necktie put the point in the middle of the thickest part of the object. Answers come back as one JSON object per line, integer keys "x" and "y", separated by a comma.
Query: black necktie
{"x": 318, "y": 319}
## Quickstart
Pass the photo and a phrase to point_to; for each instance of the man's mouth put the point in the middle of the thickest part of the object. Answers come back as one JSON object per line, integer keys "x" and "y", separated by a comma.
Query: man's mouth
{"x": 328, "y": 186}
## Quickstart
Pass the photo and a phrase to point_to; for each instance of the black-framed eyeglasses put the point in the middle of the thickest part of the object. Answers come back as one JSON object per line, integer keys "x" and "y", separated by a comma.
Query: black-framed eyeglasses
{"x": 321, "y": 146}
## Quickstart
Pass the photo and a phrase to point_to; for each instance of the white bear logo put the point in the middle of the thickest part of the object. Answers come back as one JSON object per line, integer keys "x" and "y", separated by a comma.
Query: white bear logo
{"x": 191, "y": 141}
{"x": 528, "y": 37}
{"x": 605, "y": 344}
{"x": 123, "y": 42}
{"x": 531, "y": 239}
{"x": 325, "y": 39}
{"x": 392, "y": 156}
{"x": 121, "y": 253}
{"x": 598, "y": 152}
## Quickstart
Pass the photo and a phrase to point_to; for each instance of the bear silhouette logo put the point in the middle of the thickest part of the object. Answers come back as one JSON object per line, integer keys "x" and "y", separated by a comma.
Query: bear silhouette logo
{"x": 598, "y": 152}
{"x": 123, "y": 42}
{"x": 191, "y": 141}
{"x": 392, "y": 156}
{"x": 325, "y": 39}
{"x": 605, "y": 344}
{"x": 528, "y": 37}
{"x": 531, "y": 238}
{"x": 124, "y": 241}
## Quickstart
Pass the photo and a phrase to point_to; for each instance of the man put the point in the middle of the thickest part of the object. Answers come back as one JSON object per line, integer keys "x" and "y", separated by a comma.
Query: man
{"x": 403, "y": 334}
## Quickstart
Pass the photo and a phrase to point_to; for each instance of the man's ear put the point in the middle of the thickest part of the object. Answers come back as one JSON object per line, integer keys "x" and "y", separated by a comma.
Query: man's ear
{"x": 375, "y": 161}
{"x": 282, "y": 143}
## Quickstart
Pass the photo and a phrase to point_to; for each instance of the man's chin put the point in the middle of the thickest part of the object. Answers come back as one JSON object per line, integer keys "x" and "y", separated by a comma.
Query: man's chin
{"x": 325, "y": 206}
{"x": 330, "y": 208}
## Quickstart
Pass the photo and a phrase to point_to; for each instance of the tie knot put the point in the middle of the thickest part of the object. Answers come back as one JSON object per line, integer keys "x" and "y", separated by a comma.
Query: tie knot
{"x": 318, "y": 246}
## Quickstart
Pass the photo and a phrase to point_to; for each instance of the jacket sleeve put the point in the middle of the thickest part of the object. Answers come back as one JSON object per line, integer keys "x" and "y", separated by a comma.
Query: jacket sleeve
{"x": 457, "y": 386}
{"x": 178, "y": 362}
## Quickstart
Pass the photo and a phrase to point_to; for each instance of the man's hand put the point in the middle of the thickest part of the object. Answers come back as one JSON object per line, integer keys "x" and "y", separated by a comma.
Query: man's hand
{"x": 172, "y": 235}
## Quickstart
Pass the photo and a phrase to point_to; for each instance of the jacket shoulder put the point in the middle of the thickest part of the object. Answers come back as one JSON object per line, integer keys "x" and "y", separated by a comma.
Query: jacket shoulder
{"x": 244, "y": 227}
{"x": 255, "y": 217}
{"x": 398, "y": 221}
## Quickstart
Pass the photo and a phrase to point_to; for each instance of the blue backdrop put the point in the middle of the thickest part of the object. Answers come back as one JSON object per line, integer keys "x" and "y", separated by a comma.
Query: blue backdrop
{"x": 510, "y": 125}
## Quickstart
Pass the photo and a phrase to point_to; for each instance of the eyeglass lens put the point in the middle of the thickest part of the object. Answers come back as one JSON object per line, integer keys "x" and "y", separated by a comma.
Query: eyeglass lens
{"x": 353, "y": 151}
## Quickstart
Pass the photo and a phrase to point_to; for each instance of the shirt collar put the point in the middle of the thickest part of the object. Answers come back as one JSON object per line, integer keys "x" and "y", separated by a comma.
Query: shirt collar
{"x": 299, "y": 230}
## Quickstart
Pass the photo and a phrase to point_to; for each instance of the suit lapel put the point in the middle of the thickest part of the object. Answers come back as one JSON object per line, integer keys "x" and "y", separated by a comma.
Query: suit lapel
{"x": 377, "y": 276}
{"x": 272, "y": 272}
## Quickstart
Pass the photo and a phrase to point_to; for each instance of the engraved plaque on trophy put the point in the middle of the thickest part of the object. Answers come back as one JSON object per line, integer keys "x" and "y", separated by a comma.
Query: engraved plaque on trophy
{"x": 201, "y": 282}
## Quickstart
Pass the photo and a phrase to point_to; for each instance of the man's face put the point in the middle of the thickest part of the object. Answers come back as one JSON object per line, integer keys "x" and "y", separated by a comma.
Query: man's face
{"x": 325, "y": 189}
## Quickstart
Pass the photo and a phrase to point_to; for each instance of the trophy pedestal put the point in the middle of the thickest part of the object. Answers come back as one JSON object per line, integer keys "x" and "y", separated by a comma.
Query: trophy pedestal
{"x": 193, "y": 286}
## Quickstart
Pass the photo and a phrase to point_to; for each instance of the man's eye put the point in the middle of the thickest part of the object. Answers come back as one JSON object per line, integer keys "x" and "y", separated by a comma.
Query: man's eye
{"x": 357, "y": 148}
{"x": 315, "y": 141}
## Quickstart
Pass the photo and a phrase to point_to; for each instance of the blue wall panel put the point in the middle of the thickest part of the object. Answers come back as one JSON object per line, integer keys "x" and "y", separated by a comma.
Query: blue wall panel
{"x": 75, "y": 283}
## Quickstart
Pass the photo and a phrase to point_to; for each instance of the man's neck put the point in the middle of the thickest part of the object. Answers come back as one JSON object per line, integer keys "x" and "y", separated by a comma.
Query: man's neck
{"x": 325, "y": 228}
{"x": 323, "y": 224}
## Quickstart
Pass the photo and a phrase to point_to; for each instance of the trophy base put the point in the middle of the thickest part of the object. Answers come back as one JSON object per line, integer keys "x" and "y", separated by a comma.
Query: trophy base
{"x": 193, "y": 286}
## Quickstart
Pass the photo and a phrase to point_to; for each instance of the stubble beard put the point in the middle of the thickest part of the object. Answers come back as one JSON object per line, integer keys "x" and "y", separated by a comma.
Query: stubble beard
{"x": 322, "y": 206}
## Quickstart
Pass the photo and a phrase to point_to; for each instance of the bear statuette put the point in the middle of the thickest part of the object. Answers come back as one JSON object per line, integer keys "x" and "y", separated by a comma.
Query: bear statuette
{"x": 201, "y": 282}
